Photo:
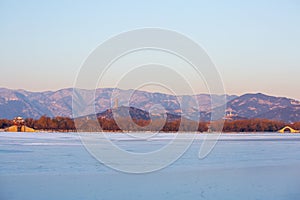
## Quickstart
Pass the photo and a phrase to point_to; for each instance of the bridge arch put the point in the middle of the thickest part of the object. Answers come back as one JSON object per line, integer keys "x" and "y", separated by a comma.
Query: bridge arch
{"x": 288, "y": 129}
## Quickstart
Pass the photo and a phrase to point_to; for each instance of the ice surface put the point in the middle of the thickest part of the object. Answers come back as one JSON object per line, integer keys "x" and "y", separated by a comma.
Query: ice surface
{"x": 241, "y": 166}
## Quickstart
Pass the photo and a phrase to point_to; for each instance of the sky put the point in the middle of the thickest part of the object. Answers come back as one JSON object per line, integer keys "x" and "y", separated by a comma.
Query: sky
{"x": 255, "y": 45}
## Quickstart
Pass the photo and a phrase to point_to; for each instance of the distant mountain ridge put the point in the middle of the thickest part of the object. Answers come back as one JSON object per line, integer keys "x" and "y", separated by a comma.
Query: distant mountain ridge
{"x": 135, "y": 114}
{"x": 59, "y": 103}
{"x": 268, "y": 107}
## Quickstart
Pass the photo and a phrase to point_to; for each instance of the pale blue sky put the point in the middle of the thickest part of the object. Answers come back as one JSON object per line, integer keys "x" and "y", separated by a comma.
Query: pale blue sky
{"x": 254, "y": 44}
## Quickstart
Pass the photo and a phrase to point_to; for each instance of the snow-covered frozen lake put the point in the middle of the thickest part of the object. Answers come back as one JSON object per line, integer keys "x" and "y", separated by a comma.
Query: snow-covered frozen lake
{"x": 241, "y": 166}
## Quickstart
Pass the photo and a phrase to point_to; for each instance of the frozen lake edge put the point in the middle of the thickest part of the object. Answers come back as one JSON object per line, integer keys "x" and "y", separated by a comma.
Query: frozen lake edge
{"x": 57, "y": 166}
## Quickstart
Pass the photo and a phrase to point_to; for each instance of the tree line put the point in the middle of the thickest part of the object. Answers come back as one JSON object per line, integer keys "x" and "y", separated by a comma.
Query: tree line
{"x": 66, "y": 124}
{"x": 253, "y": 125}
{"x": 62, "y": 124}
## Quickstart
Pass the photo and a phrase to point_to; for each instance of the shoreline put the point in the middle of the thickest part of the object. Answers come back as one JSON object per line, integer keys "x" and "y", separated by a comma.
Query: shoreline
{"x": 151, "y": 132}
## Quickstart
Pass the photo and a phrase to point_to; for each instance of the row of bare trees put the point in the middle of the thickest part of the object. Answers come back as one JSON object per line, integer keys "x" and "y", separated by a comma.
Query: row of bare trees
{"x": 253, "y": 125}
{"x": 89, "y": 125}
{"x": 44, "y": 123}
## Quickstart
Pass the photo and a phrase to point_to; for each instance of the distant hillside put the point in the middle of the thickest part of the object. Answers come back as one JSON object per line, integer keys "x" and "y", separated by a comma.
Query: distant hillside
{"x": 263, "y": 106}
{"x": 123, "y": 111}
{"x": 35, "y": 104}
{"x": 59, "y": 103}
{"x": 135, "y": 114}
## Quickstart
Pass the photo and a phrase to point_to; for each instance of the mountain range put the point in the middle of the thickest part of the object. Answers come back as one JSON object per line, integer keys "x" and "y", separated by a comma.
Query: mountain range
{"x": 59, "y": 103}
